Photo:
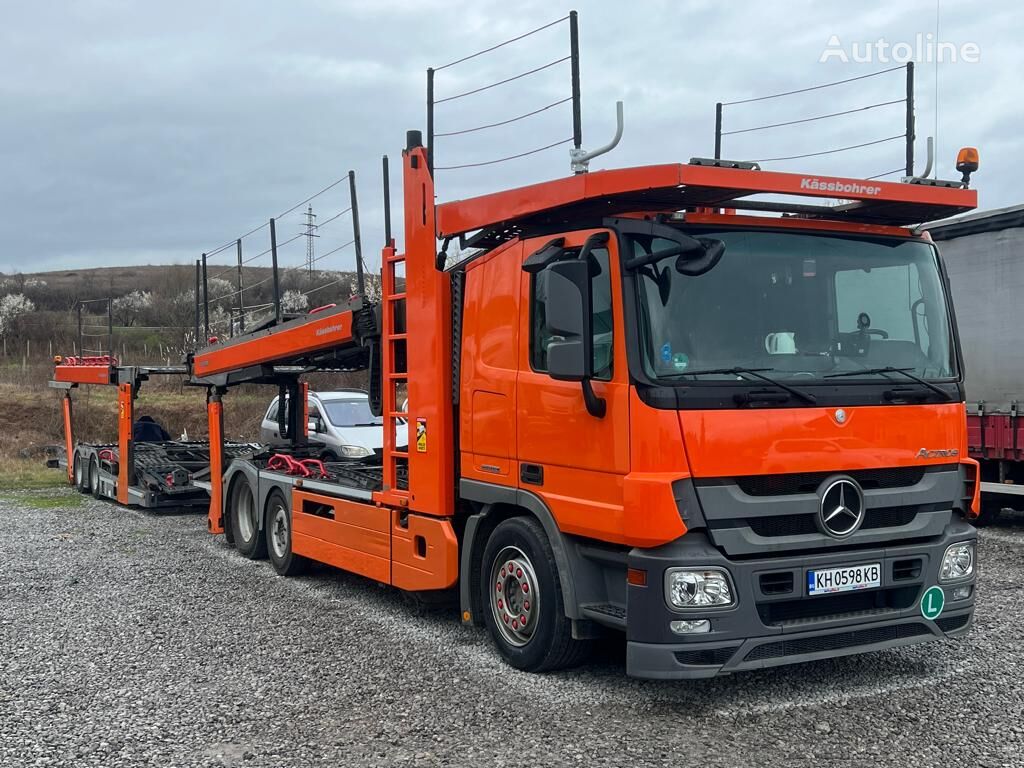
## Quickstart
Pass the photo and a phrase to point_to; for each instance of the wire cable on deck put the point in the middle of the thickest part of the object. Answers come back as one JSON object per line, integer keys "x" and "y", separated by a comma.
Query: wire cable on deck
{"x": 887, "y": 173}
{"x": 503, "y": 82}
{"x": 830, "y": 151}
{"x": 501, "y": 159}
{"x": 817, "y": 117}
{"x": 813, "y": 87}
{"x": 501, "y": 45}
{"x": 505, "y": 122}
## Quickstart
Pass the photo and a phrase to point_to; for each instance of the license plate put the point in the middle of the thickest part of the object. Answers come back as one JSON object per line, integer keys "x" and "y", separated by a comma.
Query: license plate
{"x": 828, "y": 580}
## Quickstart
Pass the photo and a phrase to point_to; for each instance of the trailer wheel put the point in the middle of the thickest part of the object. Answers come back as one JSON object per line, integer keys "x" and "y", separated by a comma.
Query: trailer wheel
{"x": 278, "y": 527}
{"x": 94, "y": 478}
{"x": 81, "y": 481}
{"x": 243, "y": 518}
{"x": 522, "y": 597}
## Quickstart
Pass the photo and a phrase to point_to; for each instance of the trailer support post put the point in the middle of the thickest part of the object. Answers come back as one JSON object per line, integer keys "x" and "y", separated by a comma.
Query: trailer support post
{"x": 125, "y": 419}
{"x": 215, "y": 419}
{"x": 69, "y": 439}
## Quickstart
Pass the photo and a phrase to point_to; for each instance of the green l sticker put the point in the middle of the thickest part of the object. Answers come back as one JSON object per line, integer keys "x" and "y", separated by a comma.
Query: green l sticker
{"x": 932, "y": 602}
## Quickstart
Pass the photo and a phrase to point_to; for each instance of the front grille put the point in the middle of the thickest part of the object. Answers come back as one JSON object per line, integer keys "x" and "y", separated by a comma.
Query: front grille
{"x": 705, "y": 656}
{"x": 836, "y": 641}
{"x": 839, "y": 606}
{"x": 952, "y": 623}
{"x": 808, "y": 482}
{"x": 780, "y": 583}
{"x": 801, "y": 525}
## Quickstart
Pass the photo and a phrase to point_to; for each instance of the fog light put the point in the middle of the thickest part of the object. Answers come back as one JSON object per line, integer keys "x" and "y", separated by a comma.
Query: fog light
{"x": 957, "y": 562}
{"x": 698, "y": 588}
{"x": 961, "y": 593}
{"x": 693, "y": 627}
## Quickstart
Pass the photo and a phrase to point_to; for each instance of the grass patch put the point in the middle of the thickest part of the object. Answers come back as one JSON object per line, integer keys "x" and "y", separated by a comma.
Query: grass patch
{"x": 30, "y": 475}
{"x": 48, "y": 501}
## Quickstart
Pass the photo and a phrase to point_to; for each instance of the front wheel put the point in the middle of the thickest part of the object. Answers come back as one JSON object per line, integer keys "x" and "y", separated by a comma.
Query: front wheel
{"x": 244, "y": 521}
{"x": 522, "y": 597}
{"x": 278, "y": 528}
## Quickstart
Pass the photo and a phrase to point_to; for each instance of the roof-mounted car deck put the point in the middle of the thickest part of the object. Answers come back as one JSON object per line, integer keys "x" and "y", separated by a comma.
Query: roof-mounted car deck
{"x": 698, "y": 185}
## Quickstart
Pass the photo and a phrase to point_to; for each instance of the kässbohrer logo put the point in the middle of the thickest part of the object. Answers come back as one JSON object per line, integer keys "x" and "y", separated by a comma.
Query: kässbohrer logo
{"x": 842, "y": 187}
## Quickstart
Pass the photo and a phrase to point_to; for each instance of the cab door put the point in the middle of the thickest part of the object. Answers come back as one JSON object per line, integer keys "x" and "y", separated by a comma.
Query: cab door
{"x": 573, "y": 460}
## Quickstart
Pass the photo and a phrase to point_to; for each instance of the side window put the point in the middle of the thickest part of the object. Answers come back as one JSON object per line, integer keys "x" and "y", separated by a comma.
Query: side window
{"x": 540, "y": 333}
{"x": 272, "y": 412}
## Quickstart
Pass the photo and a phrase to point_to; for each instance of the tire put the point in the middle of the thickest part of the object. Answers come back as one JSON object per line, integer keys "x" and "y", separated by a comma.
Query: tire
{"x": 94, "y": 478}
{"x": 328, "y": 456}
{"x": 518, "y": 561}
{"x": 81, "y": 482}
{"x": 278, "y": 528}
{"x": 244, "y": 521}
{"x": 991, "y": 511}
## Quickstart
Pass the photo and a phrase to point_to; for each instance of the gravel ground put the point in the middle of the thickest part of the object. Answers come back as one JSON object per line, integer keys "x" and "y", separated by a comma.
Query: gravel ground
{"x": 128, "y": 640}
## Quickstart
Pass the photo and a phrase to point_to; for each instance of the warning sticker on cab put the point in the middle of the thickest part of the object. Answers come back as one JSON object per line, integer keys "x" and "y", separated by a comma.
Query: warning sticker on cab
{"x": 421, "y": 435}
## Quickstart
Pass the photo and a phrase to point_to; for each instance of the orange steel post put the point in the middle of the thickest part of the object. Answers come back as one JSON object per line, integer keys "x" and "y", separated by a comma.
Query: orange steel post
{"x": 125, "y": 418}
{"x": 215, "y": 420}
{"x": 429, "y": 348}
{"x": 69, "y": 439}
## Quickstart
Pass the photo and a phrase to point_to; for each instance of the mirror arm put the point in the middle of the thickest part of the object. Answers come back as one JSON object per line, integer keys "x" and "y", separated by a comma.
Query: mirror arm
{"x": 596, "y": 406}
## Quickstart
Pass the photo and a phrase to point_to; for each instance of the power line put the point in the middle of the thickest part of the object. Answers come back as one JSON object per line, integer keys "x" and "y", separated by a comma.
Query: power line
{"x": 887, "y": 173}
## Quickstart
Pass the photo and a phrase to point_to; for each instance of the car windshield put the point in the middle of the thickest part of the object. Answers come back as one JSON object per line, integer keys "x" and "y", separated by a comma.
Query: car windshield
{"x": 353, "y": 412}
{"x": 803, "y": 306}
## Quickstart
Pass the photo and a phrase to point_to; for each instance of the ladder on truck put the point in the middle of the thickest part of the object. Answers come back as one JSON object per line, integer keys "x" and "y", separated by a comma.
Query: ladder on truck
{"x": 394, "y": 374}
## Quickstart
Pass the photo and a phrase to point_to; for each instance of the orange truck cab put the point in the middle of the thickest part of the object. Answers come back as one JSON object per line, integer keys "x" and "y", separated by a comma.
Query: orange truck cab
{"x": 741, "y": 437}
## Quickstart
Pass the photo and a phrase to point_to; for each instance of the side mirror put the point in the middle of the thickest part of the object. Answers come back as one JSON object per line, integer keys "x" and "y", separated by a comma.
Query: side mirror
{"x": 313, "y": 425}
{"x": 570, "y": 316}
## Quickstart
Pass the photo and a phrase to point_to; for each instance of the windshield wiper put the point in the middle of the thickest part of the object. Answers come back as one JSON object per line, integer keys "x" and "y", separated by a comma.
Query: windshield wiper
{"x": 889, "y": 369}
{"x": 755, "y": 373}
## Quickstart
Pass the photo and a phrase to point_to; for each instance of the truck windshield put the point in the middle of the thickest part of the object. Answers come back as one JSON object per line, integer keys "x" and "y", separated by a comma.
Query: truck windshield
{"x": 803, "y": 306}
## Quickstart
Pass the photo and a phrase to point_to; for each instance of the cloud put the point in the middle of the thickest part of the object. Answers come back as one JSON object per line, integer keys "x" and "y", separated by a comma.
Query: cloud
{"x": 138, "y": 132}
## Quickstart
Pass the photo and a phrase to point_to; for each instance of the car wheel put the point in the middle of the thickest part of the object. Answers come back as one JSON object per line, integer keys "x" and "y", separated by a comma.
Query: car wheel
{"x": 328, "y": 456}
{"x": 81, "y": 482}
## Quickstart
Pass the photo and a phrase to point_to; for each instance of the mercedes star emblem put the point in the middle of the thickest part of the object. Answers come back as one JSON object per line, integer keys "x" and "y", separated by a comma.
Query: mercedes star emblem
{"x": 842, "y": 508}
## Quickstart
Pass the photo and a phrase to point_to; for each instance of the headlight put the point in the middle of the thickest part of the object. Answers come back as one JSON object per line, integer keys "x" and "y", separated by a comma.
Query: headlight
{"x": 698, "y": 588}
{"x": 355, "y": 451}
{"x": 957, "y": 562}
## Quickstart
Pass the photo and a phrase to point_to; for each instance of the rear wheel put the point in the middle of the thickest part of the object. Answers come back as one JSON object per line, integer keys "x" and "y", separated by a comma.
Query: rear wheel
{"x": 244, "y": 521}
{"x": 81, "y": 481}
{"x": 278, "y": 528}
{"x": 328, "y": 456}
{"x": 94, "y": 478}
{"x": 522, "y": 597}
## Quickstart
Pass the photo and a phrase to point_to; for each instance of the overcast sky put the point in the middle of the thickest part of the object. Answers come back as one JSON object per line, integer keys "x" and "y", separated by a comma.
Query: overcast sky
{"x": 149, "y": 132}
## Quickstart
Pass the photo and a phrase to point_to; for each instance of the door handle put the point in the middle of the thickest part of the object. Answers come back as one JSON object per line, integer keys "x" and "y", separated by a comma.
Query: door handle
{"x": 531, "y": 474}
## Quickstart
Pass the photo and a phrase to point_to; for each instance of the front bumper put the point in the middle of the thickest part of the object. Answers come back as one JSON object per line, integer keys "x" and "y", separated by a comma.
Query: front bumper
{"x": 769, "y": 628}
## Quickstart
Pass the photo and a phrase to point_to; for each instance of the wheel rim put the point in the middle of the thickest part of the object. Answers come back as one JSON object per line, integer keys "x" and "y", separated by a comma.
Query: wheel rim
{"x": 515, "y": 599}
{"x": 246, "y": 514}
{"x": 279, "y": 534}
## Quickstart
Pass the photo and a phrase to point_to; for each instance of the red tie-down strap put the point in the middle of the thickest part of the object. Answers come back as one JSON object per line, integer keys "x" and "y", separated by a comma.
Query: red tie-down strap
{"x": 284, "y": 462}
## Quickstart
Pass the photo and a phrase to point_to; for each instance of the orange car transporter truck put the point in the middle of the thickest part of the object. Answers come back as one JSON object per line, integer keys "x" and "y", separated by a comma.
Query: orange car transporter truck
{"x": 737, "y": 439}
